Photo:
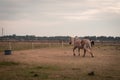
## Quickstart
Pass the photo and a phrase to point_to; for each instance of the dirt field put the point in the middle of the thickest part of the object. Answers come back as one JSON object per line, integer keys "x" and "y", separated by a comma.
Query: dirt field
{"x": 60, "y": 64}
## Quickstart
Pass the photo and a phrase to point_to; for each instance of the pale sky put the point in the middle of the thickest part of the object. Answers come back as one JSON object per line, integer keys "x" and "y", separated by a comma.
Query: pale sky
{"x": 60, "y": 17}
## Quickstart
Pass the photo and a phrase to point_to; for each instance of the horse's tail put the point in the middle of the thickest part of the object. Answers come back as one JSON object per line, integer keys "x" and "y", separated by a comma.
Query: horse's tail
{"x": 92, "y": 43}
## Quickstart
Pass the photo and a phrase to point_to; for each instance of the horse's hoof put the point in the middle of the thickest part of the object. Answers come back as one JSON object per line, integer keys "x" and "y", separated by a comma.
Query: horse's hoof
{"x": 92, "y": 56}
{"x": 91, "y": 73}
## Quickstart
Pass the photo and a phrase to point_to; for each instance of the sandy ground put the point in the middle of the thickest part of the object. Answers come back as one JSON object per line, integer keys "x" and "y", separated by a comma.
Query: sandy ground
{"x": 106, "y": 55}
{"x": 106, "y": 58}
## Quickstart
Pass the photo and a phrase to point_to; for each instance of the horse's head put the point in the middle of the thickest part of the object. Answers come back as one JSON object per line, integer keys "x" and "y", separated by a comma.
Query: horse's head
{"x": 71, "y": 40}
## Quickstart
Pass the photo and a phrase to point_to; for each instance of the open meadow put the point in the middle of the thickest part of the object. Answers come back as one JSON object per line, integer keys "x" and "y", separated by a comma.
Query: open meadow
{"x": 56, "y": 62}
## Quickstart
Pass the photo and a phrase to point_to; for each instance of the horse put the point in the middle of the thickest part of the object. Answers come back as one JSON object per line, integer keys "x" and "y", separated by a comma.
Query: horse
{"x": 84, "y": 44}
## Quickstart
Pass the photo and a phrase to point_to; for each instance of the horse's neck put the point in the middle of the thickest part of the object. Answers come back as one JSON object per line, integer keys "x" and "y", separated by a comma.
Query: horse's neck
{"x": 77, "y": 41}
{"x": 74, "y": 40}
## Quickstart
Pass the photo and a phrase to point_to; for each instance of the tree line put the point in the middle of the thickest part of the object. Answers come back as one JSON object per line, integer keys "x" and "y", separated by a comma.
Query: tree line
{"x": 55, "y": 38}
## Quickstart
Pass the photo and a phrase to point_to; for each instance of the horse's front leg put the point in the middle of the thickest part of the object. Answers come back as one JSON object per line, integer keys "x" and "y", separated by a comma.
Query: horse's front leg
{"x": 74, "y": 50}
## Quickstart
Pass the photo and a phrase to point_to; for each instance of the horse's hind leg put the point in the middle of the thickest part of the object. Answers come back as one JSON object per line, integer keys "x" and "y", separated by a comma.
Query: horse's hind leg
{"x": 91, "y": 54}
{"x": 89, "y": 50}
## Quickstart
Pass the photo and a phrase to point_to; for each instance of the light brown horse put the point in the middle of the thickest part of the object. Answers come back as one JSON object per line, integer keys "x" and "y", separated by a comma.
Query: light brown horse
{"x": 84, "y": 44}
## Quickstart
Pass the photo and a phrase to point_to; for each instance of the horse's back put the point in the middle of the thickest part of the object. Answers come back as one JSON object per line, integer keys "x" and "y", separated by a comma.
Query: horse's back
{"x": 77, "y": 43}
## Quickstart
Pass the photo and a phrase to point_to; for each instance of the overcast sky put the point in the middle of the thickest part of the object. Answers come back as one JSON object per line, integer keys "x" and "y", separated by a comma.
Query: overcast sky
{"x": 60, "y": 17}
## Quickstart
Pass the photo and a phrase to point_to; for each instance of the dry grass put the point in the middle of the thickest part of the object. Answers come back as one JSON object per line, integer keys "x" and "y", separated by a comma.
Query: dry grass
{"x": 60, "y": 64}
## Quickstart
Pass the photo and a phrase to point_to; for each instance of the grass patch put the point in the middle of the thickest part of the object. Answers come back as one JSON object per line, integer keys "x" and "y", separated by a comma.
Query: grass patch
{"x": 46, "y": 67}
{"x": 10, "y": 63}
{"x": 49, "y": 72}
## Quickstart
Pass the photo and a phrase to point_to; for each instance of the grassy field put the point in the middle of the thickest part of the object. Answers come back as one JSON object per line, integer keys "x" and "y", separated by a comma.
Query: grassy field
{"x": 58, "y": 63}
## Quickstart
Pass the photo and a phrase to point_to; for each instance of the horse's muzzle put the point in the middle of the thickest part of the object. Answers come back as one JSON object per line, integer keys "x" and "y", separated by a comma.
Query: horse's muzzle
{"x": 70, "y": 43}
